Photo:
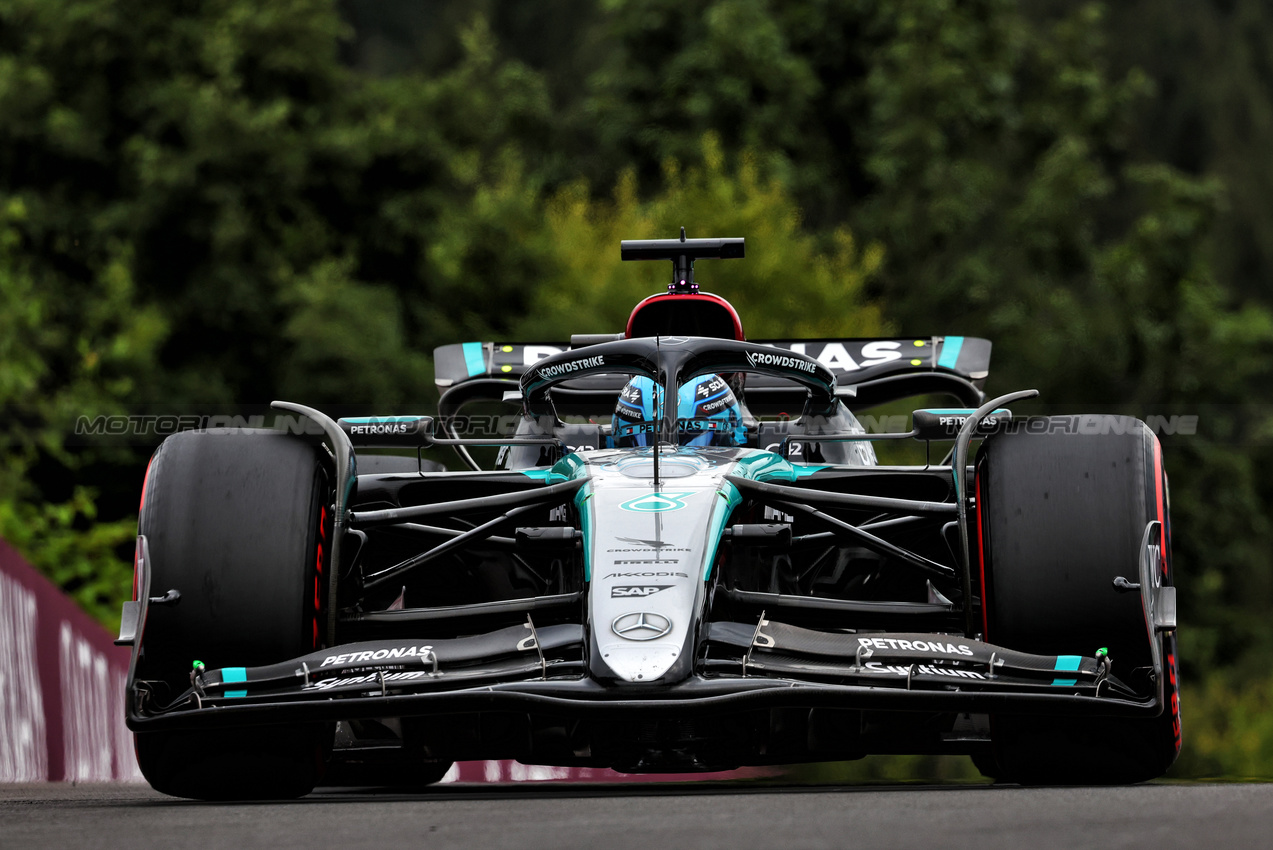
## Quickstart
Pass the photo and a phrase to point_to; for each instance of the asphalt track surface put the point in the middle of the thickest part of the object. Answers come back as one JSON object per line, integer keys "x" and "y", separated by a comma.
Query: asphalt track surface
{"x": 644, "y": 817}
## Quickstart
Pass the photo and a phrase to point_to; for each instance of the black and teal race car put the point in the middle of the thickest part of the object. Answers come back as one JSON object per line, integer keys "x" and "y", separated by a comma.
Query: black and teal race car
{"x": 731, "y": 579}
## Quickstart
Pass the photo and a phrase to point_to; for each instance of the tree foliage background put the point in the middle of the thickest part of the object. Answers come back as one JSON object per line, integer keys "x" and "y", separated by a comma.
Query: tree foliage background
{"x": 224, "y": 202}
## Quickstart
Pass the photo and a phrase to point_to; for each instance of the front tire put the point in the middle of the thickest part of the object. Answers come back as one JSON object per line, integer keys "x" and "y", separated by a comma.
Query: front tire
{"x": 238, "y": 522}
{"x": 1061, "y": 514}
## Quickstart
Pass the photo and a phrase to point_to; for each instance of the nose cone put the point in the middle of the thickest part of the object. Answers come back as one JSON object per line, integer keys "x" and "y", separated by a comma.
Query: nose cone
{"x": 648, "y": 551}
{"x": 644, "y": 645}
{"x": 637, "y": 662}
{"x": 645, "y": 648}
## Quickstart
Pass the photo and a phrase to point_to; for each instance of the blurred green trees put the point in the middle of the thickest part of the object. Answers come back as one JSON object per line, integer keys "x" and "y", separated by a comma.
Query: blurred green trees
{"x": 226, "y": 202}
{"x": 69, "y": 346}
{"x": 792, "y": 282}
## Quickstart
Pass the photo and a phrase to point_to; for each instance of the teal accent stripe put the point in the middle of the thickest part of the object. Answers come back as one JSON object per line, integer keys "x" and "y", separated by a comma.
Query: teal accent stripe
{"x": 585, "y": 521}
{"x": 1067, "y": 663}
{"x": 231, "y": 675}
{"x": 716, "y": 525}
{"x": 568, "y": 468}
{"x": 950, "y": 352}
{"x": 473, "y": 359}
{"x": 764, "y": 466}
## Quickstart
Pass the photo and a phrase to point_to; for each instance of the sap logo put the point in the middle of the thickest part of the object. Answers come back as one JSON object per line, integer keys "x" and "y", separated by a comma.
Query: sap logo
{"x": 641, "y": 590}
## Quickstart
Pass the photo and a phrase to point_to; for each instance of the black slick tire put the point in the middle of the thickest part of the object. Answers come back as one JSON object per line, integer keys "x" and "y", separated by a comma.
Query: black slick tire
{"x": 1061, "y": 512}
{"x": 238, "y": 522}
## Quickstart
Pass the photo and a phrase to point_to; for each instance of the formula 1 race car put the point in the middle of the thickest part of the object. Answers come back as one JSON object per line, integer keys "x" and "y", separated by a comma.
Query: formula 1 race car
{"x": 687, "y": 558}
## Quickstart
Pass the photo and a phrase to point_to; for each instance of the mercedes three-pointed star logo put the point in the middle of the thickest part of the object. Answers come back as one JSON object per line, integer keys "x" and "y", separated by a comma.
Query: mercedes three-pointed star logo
{"x": 642, "y": 625}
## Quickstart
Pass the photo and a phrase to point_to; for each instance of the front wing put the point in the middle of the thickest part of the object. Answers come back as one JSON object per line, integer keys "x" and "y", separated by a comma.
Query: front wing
{"x": 743, "y": 666}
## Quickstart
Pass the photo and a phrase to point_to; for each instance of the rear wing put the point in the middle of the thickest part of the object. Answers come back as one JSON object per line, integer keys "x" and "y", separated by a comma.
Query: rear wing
{"x": 853, "y": 361}
{"x": 868, "y": 371}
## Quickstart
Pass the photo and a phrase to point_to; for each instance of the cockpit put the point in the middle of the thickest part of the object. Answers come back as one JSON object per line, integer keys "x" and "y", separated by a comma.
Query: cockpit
{"x": 609, "y": 390}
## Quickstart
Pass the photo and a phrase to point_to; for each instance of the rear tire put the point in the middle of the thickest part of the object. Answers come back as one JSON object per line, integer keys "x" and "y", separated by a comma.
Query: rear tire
{"x": 1060, "y": 516}
{"x": 237, "y": 521}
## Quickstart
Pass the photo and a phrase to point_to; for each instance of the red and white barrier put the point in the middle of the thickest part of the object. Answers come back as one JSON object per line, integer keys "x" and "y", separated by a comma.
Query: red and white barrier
{"x": 512, "y": 771}
{"x": 61, "y": 686}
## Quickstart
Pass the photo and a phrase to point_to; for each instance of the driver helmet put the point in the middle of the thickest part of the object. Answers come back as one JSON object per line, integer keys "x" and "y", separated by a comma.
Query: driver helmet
{"x": 707, "y": 413}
